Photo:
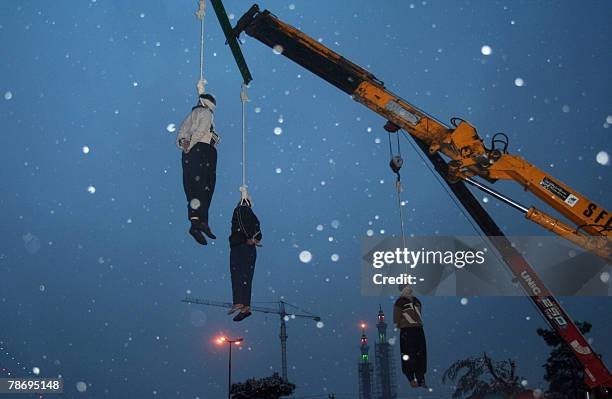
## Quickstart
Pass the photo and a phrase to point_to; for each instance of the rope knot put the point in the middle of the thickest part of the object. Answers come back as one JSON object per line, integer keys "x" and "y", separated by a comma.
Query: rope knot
{"x": 245, "y": 199}
{"x": 201, "y": 9}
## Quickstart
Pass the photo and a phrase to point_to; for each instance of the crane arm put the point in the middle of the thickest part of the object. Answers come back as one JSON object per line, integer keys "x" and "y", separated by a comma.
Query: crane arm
{"x": 460, "y": 142}
{"x": 468, "y": 157}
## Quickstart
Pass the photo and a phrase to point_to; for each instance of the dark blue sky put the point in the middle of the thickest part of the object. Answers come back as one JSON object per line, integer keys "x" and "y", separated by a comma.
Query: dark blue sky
{"x": 90, "y": 283}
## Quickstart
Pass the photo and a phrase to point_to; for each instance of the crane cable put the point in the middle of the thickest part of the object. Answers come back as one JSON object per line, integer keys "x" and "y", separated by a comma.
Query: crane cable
{"x": 245, "y": 199}
{"x": 396, "y": 162}
{"x": 200, "y": 15}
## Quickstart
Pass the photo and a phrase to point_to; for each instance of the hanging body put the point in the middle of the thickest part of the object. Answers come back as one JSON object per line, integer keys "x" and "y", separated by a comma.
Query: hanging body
{"x": 244, "y": 239}
{"x": 413, "y": 346}
{"x": 198, "y": 139}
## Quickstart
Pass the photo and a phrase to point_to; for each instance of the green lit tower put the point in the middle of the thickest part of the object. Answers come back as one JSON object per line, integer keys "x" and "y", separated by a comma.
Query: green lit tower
{"x": 365, "y": 368}
{"x": 385, "y": 372}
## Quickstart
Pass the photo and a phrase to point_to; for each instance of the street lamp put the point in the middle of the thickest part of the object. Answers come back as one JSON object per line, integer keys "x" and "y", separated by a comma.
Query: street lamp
{"x": 225, "y": 340}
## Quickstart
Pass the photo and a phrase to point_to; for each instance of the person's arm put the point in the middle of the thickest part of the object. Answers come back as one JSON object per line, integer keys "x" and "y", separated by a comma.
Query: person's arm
{"x": 250, "y": 225}
{"x": 258, "y": 235}
{"x": 184, "y": 134}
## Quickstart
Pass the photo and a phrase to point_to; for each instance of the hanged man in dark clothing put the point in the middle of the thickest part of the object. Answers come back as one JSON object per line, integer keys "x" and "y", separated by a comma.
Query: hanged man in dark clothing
{"x": 407, "y": 317}
{"x": 245, "y": 237}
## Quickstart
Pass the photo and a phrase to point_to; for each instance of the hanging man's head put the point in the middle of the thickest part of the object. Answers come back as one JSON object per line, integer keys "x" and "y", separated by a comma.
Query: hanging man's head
{"x": 208, "y": 100}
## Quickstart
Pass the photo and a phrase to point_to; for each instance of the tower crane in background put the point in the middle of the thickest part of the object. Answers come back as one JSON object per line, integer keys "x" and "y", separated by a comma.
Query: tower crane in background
{"x": 280, "y": 310}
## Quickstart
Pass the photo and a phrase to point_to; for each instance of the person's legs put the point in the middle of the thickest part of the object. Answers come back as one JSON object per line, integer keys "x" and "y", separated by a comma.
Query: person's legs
{"x": 235, "y": 273}
{"x": 250, "y": 258}
{"x": 406, "y": 350}
{"x": 245, "y": 258}
{"x": 421, "y": 355}
{"x": 204, "y": 177}
{"x": 246, "y": 265}
{"x": 188, "y": 164}
{"x": 207, "y": 179}
{"x": 198, "y": 180}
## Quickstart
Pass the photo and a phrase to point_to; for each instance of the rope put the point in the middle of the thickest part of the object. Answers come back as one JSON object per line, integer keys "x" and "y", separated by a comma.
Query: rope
{"x": 200, "y": 15}
{"x": 244, "y": 197}
{"x": 396, "y": 163}
{"x": 398, "y": 183}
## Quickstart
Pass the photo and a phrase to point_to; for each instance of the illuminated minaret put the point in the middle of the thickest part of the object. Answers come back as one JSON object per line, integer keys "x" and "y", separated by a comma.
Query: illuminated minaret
{"x": 385, "y": 372}
{"x": 365, "y": 368}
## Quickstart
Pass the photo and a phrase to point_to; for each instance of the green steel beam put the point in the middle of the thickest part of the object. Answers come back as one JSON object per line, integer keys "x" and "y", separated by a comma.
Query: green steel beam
{"x": 232, "y": 40}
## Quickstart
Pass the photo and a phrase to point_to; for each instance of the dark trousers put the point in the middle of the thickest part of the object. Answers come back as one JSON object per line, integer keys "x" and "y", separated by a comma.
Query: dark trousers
{"x": 242, "y": 267}
{"x": 412, "y": 343}
{"x": 199, "y": 179}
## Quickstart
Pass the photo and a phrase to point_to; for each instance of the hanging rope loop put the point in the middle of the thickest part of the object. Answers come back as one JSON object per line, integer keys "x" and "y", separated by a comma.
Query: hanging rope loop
{"x": 245, "y": 198}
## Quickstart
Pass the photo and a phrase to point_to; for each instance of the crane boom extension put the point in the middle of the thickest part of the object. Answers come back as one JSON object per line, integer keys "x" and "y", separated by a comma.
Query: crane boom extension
{"x": 468, "y": 157}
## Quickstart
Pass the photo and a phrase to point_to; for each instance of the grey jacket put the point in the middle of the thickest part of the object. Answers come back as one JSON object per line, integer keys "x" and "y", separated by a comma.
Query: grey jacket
{"x": 198, "y": 127}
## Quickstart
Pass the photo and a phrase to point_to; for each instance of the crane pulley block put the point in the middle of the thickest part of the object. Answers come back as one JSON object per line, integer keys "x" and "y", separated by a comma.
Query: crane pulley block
{"x": 396, "y": 163}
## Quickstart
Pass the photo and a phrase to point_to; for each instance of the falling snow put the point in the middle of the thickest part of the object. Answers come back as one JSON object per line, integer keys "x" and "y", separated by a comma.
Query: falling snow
{"x": 194, "y": 203}
{"x": 602, "y": 158}
{"x": 81, "y": 386}
{"x": 305, "y": 256}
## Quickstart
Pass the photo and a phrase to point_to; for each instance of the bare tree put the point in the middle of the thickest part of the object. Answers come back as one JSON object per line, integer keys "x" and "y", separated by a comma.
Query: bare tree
{"x": 477, "y": 377}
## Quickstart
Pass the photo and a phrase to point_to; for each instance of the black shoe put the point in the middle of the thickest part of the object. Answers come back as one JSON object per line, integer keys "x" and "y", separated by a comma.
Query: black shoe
{"x": 203, "y": 227}
{"x": 197, "y": 235}
{"x": 242, "y": 315}
{"x": 206, "y": 229}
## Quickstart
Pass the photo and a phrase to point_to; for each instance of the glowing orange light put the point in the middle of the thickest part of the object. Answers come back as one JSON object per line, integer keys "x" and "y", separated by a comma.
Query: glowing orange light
{"x": 238, "y": 343}
{"x": 363, "y": 325}
{"x": 221, "y": 340}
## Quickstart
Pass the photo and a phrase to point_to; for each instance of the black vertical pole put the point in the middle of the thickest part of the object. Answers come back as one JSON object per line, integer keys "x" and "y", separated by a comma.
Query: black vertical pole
{"x": 229, "y": 377}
